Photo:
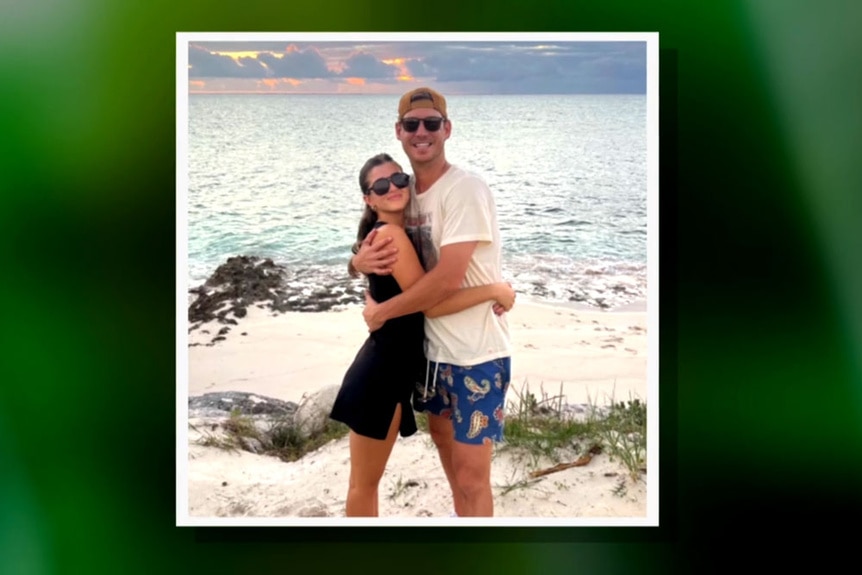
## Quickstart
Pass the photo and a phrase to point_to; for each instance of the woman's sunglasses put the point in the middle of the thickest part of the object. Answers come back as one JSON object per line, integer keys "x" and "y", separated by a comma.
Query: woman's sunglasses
{"x": 431, "y": 124}
{"x": 381, "y": 186}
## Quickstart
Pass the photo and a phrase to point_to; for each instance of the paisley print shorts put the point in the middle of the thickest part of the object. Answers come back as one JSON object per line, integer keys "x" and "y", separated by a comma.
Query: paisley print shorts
{"x": 473, "y": 397}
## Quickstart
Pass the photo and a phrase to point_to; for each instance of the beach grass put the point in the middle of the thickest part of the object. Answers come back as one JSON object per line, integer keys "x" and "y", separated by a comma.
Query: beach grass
{"x": 623, "y": 433}
{"x": 541, "y": 432}
{"x": 281, "y": 439}
{"x": 289, "y": 445}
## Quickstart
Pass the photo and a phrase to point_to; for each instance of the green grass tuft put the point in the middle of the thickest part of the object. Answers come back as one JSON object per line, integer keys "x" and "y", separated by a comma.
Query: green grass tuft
{"x": 540, "y": 432}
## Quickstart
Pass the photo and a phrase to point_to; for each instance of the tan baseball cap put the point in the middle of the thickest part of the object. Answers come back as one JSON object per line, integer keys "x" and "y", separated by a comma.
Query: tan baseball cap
{"x": 421, "y": 98}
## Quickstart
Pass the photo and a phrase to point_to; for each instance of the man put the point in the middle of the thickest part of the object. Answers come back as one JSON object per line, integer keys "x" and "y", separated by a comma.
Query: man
{"x": 452, "y": 219}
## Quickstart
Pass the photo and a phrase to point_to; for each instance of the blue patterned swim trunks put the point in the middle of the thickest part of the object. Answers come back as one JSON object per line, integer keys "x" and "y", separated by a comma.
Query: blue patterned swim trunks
{"x": 473, "y": 397}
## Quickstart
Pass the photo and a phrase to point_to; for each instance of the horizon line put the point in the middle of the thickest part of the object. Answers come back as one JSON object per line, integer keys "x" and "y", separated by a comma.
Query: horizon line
{"x": 269, "y": 93}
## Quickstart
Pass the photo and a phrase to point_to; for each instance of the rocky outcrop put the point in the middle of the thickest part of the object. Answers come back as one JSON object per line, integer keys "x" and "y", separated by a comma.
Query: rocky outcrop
{"x": 259, "y": 424}
{"x": 235, "y": 285}
{"x": 313, "y": 415}
{"x": 234, "y": 419}
{"x": 222, "y": 404}
{"x": 243, "y": 281}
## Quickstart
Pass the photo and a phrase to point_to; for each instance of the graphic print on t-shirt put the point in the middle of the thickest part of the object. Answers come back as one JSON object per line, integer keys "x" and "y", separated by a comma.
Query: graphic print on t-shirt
{"x": 419, "y": 230}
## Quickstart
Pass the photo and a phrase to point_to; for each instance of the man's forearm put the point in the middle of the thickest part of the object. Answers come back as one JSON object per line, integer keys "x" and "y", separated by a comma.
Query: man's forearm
{"x": 430, "y": 290}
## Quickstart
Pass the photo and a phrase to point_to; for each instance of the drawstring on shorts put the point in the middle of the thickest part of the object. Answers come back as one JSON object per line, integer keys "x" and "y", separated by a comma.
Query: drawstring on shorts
{"x": 433, "y": 380}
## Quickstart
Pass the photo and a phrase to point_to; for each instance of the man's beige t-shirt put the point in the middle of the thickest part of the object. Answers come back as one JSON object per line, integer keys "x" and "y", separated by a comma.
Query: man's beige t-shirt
{"x": 459, "y": 207}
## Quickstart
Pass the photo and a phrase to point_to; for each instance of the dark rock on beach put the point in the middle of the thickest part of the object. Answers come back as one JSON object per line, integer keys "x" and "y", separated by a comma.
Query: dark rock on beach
{"x": 220, "y": 404}
{"x": 212, "y": 414}
{"x": 258, "y": 423}
{"x": 249, "y": 280}
{"x": 236, "y": 284}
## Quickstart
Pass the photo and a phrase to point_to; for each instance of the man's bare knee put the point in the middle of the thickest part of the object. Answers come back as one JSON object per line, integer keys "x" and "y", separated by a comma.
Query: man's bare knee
{"x": 472, "y": 478}
{"x": 472, "y": 468}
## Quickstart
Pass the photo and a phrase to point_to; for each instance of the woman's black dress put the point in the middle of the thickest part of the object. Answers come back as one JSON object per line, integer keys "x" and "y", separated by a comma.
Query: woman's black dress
{"x": 385, "y": 371}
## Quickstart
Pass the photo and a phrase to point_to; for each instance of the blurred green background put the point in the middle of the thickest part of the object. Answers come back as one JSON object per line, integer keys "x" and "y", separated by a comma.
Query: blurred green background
{"x": 761, "y": 330}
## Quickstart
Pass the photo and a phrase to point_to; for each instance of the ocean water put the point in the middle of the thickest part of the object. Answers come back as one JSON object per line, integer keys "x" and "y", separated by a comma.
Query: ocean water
{"x": 276, "y": 176}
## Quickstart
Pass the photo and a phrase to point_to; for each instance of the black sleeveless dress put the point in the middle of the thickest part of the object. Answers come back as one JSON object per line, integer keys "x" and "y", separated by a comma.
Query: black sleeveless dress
{"x": 384, "y": 372}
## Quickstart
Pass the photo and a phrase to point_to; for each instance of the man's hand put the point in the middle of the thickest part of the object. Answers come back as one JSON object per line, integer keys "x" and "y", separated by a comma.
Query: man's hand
{"x": 375, "y": 259}
{"x": 368, "y": 313}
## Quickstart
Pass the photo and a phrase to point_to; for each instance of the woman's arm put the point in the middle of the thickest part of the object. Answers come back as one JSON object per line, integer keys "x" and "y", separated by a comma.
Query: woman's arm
{"x": 407, "y": 271}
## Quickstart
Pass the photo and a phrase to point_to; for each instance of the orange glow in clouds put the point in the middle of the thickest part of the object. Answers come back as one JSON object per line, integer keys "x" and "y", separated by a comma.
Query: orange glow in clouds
{"x": 400, "y": 63}
{"x": 237, "y": 55}
{"x": 272, "y": 84}
{"x": 356, "y": 81}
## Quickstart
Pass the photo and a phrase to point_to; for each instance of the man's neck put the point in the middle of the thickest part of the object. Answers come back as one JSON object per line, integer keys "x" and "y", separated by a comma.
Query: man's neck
{"x": 427, "y": 175}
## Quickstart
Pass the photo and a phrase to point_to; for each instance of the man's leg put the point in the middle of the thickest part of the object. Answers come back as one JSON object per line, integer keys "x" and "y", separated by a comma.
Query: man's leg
{"x": 472, "y": 469}
{"x": 478, "y": 397}
{"x": 436, "y": 404}
{"x": 443, "y": 435}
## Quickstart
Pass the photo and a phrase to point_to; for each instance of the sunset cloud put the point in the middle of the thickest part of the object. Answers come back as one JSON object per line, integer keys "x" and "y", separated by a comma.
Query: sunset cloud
{"x": 269, "y": 83}
{"x": 368, "y": 66}
{"x": 296, "y": 63}
{"x": 404, "y": 74}
{"x": 512, "y": 67}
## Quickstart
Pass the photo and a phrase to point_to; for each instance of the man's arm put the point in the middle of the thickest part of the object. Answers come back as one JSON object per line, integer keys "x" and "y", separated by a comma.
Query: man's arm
{"x": 432, "y": 288}
{"x": 500, "y": 293}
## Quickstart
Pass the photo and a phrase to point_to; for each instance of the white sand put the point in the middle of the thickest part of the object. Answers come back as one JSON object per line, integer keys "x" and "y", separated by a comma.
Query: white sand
{"x": 588, "y": 354}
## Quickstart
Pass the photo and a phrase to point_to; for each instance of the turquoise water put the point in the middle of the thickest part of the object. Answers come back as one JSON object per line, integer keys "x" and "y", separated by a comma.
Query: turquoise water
{"x": 276, "y": 176}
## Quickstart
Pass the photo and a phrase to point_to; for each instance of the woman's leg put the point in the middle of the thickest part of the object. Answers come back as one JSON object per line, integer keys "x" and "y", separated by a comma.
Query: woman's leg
{"x": 368, "y": 459}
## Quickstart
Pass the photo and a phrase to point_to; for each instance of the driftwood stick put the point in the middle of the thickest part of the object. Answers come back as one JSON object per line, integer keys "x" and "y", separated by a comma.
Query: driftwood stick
{"x": 581, "y": 461}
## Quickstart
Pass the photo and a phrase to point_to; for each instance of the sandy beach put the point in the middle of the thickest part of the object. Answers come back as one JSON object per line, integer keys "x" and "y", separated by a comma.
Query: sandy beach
{"x": 587, "y": 355}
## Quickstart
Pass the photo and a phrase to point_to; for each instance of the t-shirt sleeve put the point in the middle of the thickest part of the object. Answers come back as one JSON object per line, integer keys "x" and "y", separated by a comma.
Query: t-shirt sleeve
{"x": 467, "y": 212}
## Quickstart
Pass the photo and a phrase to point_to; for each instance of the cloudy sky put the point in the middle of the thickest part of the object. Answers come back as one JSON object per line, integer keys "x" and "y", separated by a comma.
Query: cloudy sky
{"x": 390, "y": 67}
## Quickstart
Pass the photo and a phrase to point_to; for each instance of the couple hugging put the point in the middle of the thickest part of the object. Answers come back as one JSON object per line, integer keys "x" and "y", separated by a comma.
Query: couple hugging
{"x": 430, "y": 247}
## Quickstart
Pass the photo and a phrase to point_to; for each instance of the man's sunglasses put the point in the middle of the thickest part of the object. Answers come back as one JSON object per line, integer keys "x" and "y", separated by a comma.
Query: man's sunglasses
{"x": 432, "y": 124}
{"x": 381, "y": 186}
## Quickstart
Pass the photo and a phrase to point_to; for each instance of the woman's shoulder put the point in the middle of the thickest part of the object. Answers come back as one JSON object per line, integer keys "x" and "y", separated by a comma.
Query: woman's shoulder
{"x": 398, "y": 235}
{"x": 390, "y": 230}
{"x": 381, "y": 230}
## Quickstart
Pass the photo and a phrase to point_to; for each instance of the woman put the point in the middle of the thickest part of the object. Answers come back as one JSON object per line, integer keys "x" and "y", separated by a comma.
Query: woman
{"x": 374, "y": 400}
